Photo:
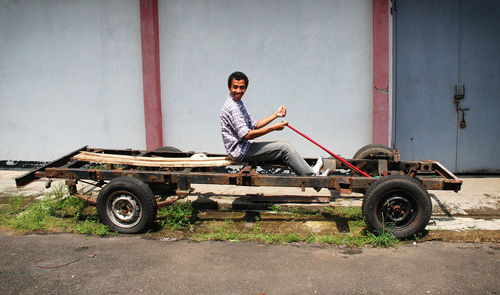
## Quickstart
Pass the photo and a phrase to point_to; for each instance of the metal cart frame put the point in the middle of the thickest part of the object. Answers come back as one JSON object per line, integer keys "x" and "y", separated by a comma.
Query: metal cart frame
{"x": 397, "y": 191}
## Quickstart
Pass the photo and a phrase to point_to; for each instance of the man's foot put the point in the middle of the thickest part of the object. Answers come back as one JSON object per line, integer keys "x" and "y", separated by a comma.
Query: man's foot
{"x": 317, "y": 167}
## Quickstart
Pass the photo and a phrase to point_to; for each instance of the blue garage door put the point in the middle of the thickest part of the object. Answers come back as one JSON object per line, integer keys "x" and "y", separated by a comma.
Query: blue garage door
{"x": 447, "y": 88}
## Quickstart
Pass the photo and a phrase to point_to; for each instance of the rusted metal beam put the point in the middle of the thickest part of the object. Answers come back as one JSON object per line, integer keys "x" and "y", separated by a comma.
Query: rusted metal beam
{"x": 167, "y": 202}
{"x": 97, "y": 174}
{"x": 181, "y": 180}
{"x": 30, "y": 176}
{"x": 288, "y": 198}
{"x": 185, "y": 178}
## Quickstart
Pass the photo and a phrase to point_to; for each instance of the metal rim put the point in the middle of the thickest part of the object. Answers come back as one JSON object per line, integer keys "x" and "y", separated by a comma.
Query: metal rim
{"x": 397, "y": 209}
{"x": 124, "y": 209}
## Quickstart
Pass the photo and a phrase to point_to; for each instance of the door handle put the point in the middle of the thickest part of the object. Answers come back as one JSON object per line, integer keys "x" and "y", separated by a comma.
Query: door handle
{"x": 463, "y": 124}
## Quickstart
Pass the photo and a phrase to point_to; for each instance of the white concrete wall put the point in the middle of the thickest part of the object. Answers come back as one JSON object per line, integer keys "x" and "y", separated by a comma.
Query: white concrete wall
{"x": 315, "y": 57}
{"x": 70, "y": 75}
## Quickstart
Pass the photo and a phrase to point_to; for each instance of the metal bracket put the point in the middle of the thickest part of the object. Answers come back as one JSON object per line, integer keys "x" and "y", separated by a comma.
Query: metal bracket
{"x": 458, "y": 96}
{"x": 382, "y": 168}
{"x": 71, "y": 183}
{"x": 183, "y": 185}
{"x": 394, "y": 7}
{"x": 244, "y": 177}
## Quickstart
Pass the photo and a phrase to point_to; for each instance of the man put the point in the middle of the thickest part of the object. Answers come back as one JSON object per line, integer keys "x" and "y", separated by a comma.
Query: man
{"x": 239, "y": 129}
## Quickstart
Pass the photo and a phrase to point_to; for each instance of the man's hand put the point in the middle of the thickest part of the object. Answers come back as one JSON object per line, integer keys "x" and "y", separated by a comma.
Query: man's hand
{"x": 265, "y": 130}
{"x": 281, "y": 112}
{"x": 280, "y": 125}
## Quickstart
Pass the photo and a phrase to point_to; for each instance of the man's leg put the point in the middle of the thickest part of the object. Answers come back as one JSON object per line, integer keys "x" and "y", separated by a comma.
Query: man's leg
{"x": 278, "y": 150}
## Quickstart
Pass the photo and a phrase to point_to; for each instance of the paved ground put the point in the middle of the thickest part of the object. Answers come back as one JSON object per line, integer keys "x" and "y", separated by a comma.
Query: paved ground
{"x": 77, "y": 264}
{"x": 64, "y": 263}
{"x": 475, "y": 207}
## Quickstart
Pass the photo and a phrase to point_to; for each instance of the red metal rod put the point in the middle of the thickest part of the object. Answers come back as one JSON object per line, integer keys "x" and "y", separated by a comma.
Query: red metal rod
{"x": 334, "y": 155}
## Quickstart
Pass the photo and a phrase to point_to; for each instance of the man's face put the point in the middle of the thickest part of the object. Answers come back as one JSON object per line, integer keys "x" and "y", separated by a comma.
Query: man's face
{"x": 237, "y": 89}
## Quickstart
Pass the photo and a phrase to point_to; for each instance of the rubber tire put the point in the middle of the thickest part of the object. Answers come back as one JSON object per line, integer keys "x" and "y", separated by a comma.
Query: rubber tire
{"x": 411, "y": 189}
{"x": 168, "y": 149}
{"x": 364, "y": 152}
{"x": 143, "y": 195}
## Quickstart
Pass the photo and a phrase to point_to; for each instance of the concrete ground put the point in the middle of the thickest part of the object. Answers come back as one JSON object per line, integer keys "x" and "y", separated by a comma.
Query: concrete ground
{"x": 141, "y": 264}
{"x": 475, "y": 207}
{"x": 133, "y": 264}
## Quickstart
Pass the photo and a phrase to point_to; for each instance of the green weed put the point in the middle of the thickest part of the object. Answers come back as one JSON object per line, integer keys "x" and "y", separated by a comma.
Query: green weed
{"x": 92, "y": 227}
{"x": 418, "y": 236}
{"x": 54, "y": 212}
{"x": 294, "y": 212}
{"x": 256, "y": 229}
{"x": 269, "y": 238}
{"x": 331, "y": 239}
{"x": 36, "y": 217}
{"x": 224, "y": 233}
{"x": 62, "y": 213}
{"x": 71, "y": 206}
{"x": 276, "y": 208}
{"x": 177, "y": 216}
{"x": 60, "y": 191}
{"x": 346, "y": 212}
{"x": 356, "y": 237}
{"x": 383, "y": 240}
{"x": 311, "y": 238}
{"x": 15, "y": 204}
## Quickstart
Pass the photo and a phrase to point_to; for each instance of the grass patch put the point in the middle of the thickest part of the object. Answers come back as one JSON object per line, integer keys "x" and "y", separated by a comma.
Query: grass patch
{"x": 276, "y": 208}
{"x": 15, "y": 204}
{"x": 346, "y": 212}
{"x": 36, "y": 217}
{"x": 357, "y": 236}
{"x": 178, "y": 216}
{"x": 59, "y": 212}
{"x": 92, "y": 227}
{"x": 56, "y": 212}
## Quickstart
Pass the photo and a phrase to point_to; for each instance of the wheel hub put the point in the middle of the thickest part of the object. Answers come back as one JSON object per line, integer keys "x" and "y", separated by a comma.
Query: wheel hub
{"x": 397, "y": 209}
{"x": 125, "y": 208}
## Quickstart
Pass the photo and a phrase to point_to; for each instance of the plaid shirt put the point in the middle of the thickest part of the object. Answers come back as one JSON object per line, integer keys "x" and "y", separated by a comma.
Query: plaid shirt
{"x": 235, "y": 123}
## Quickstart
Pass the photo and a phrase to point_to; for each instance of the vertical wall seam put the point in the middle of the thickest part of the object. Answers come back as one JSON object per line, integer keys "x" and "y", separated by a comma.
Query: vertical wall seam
{"x": 380, "y": 121}
{"x": 151, "y": 73}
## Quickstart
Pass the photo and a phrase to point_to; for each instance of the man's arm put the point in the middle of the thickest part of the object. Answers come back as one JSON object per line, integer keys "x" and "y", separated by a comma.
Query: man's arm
{"x": 264, "y": 130}
{"x": 281, "y": 112}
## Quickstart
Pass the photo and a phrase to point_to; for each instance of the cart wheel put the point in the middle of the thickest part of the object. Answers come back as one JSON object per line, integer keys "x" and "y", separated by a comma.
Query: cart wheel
{"x": 168, "y": 149}
{"x": 127, "y": 205}
{"x": 399, "y": 203}
{"x": 374, "y": 151}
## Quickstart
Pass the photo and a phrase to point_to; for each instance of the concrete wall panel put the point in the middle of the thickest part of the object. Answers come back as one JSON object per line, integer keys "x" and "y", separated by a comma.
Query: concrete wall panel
{"x": 315, "y": 57}
{"x": 70, "y": 75}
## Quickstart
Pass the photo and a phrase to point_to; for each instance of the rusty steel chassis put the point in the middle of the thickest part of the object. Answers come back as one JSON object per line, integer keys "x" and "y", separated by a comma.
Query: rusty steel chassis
{"x": 180, "y": 179}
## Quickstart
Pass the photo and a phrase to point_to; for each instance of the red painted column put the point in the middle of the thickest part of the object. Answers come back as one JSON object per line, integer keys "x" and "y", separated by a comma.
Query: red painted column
{"x": 380, "y": 124}
{"x": 151, "y": 73}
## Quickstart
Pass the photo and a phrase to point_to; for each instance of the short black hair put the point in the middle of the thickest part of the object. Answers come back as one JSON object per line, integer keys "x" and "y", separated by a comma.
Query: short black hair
{"x": 237, "y": 76}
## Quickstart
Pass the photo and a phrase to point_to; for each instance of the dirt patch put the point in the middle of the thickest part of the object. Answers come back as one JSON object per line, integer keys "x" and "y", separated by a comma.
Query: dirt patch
{"x": 477, "y": 236}
{"x": 302, "y": 225}
{"x": 26, "y": 200}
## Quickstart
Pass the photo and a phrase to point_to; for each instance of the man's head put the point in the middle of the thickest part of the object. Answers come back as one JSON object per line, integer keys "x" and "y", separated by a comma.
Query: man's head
{"x": 237, "y": 84}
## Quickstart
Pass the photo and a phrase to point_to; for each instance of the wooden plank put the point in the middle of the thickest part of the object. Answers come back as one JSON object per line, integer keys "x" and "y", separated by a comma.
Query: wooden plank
{"x": 153, "y": 161}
